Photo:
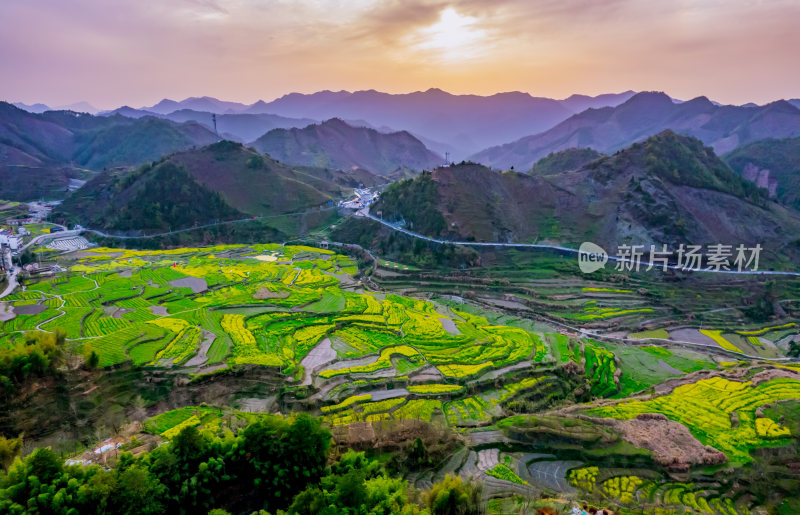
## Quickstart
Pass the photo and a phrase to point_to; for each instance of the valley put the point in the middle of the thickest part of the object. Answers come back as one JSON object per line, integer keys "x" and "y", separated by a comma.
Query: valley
{"x": 517, "y": 362}
{"x": 333, "y": 312}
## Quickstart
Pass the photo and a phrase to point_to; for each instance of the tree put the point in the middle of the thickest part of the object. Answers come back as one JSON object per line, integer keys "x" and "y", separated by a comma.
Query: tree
{"x": 93, "y": 360}
{"x": 355, "y": 484}
{"x": 283, "y": 458}
{"x": 189, "y": 446}
{"x": 454, "y": 497}
{"x": 139, "y": 492}
{"x": 10, "y": 448}
{"x": 418, "y": 454}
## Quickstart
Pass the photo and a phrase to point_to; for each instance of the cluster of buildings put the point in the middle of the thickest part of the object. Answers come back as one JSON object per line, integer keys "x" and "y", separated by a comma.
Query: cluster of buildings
{"x": 363, "y": 198}
{"x": 11, "y": 239}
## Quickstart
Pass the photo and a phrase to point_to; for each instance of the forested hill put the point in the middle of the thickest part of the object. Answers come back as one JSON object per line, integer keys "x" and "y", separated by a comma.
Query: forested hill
{"x": 223, "y": 181}
{"x": 667, "y": 189}
{"x": 39, "y": 153}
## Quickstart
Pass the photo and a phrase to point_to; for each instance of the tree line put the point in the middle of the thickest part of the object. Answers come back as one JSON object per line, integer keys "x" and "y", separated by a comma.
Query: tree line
{"x": 275, "y": 465}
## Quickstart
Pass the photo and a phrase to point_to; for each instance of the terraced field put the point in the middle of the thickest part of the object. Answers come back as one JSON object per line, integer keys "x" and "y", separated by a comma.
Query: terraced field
{"x": 358, "y": 357}
{"x": 720, "y": 412}
{"x": 296, "y": 309}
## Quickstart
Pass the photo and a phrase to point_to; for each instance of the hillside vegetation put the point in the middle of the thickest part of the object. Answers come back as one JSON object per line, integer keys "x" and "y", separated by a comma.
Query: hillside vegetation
{"x": 40, "y": 153}
{"x": 772, "y": 161}
{"x": 668, "y": 189}
{"x": 565, "y": 160}
{"x": 219, "y": 182}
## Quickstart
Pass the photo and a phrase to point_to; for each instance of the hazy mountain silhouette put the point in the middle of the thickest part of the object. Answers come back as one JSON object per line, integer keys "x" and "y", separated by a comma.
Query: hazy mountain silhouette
{"x": 463, "y": 122}
{"x": 335, "y": 144}
{"x": 459, "y": 124}
{"x": 612, "y": 128}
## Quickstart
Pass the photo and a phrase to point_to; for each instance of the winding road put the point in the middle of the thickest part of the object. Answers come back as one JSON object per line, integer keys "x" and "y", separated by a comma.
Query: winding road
{"x": 413, "y": 234}
{"x": 12, "y": 282}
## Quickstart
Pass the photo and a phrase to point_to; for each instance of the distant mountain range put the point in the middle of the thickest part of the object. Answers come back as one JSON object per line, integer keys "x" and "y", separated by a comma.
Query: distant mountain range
{"x": 208, "y": 104}
{"x": 458, "y": 124}
{"x": 461, "y": 125}
{"x": 40, "y": 153}
{"x": 222, "y": 181}
{"x": 78, "y": 107}
{"x": 236, "y": 127}
{"x": 465, "y": 123}
{"x": 612, "y": 128}
{"x": 668, "y": 189}
{"x": 336, "y": 144}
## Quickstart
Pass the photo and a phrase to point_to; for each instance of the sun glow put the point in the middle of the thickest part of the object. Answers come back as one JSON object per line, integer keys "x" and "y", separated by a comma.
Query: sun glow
{"x": 453, "y": 38}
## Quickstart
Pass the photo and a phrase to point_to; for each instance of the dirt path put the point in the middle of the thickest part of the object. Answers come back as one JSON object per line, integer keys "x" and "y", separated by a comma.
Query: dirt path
{"x": 501, "y": 371}
{"x": 427, "y": 373}
{"x": 382, "y": 395}
{"x": 60, "y": 314}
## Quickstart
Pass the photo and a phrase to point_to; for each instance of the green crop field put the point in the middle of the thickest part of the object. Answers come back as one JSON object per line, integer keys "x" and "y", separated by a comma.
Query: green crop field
{"x": 294, "y": 332}
{"x": 705, "y": 407}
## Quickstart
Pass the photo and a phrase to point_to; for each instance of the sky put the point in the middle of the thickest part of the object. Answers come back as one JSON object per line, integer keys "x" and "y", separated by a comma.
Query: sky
{"x": 136, "y": 52}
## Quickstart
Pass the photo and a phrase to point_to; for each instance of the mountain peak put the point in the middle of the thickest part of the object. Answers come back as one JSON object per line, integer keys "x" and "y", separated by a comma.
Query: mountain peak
{"x": 335, "y": 144}
{"x": 702, "y": 99}
{"x": 336, "y": 122}
{"x": 649, "y": 97}
{"x": 783, "y": 106}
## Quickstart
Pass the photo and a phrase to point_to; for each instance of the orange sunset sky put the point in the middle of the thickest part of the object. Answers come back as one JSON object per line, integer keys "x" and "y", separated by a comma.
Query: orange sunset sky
{"x": 135, "y": 52}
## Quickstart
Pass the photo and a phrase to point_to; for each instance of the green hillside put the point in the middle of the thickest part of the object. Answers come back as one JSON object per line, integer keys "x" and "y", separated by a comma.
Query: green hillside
{"x": 565, "y": 160}
{"x": 222, "y": 181}
{"x": 39, "y": 153}
{"x": 780, "y": 158}
{"x": 668, "y": 189}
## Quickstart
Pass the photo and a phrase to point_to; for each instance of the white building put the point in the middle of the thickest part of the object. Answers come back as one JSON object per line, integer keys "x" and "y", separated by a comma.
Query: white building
{"x": 13, "y": 241}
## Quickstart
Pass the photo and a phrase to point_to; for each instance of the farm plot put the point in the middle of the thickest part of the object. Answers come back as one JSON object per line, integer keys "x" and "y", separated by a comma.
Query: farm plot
{"x": 157, "y": 308}
{"x": 207, "y": 418}
{"x": 707, "y": 409}
{"x": 635, "y": 491}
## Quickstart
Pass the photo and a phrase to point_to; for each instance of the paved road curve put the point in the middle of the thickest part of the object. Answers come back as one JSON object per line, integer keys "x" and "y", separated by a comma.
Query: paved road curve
{"x": 12, "y": 282}
{"x": 413, "y": 234}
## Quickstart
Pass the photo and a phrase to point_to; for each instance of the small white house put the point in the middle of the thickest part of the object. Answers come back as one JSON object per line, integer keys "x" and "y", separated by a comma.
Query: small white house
{"x": 13, "y": 241}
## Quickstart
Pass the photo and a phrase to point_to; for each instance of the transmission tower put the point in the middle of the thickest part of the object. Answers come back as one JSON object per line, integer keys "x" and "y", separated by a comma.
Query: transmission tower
{"x": 214, "y": 120}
